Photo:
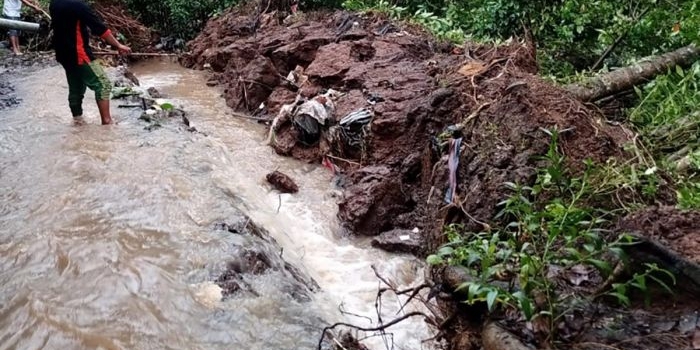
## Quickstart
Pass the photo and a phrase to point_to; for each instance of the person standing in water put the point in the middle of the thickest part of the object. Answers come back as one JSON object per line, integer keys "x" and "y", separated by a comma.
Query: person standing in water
{"x": 71, "y": 20}
{"x": 12, "y": 9}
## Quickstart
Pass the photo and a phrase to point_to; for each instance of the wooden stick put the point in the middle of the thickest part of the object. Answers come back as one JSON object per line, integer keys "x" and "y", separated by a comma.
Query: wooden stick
{"x": 137, "y": 54}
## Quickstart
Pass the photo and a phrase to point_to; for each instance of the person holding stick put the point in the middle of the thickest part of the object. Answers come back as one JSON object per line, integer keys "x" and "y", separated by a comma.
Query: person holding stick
{"x": 12, "y": 9}
{"x": 71, "y": 20}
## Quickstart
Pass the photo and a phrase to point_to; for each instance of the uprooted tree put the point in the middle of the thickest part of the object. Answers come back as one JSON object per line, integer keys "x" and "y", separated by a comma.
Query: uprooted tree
{"x": 626, "y": 78}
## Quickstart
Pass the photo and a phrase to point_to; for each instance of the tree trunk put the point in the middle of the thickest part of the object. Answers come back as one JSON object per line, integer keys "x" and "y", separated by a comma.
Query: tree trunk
{"x": 626, "y": 78}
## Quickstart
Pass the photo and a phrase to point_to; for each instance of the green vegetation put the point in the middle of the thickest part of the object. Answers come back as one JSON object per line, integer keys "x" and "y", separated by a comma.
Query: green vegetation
{"x": 547, "y": 231}
{"x": 571, "y": 34}
{"x": 181, "y": 18}
{"x": 668, "y": 121}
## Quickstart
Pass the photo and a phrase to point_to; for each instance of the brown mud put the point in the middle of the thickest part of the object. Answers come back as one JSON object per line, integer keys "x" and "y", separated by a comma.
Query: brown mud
{"x": 676, "y": 229}
{"x": 282, "y": 182}
{"x": 416, "y": 87}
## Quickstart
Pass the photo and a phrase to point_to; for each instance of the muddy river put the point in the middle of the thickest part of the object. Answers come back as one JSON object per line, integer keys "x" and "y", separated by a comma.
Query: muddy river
{"x": 109, "y": 239}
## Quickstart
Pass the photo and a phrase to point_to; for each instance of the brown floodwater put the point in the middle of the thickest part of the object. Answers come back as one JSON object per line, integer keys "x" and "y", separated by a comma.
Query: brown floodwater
{"x": 107, "y": 236}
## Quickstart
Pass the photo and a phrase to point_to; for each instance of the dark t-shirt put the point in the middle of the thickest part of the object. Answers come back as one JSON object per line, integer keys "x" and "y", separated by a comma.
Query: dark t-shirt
{"x": 71, "y": 20}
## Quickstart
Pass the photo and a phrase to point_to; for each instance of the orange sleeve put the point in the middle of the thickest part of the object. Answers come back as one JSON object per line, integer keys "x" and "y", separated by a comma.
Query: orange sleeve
{"x": 105, "y": 34}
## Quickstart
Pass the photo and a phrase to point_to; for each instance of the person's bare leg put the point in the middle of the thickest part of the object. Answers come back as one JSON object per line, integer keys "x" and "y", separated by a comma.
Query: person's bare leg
{"x": 15, "y": 45}
{"x": 105, "y": 114}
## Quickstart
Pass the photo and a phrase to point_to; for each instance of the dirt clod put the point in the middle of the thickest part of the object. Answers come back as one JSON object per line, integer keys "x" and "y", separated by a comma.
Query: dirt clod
{"x": 282, "y": 182}
{"x": 676, "y": 229}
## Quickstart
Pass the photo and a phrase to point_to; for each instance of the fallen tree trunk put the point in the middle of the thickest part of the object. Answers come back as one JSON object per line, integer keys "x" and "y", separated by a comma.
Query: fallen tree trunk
{"x": 626, "y": 78}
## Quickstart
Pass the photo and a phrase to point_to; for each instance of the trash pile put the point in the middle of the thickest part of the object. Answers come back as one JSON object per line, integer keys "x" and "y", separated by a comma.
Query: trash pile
{"x": 146, "y": 104}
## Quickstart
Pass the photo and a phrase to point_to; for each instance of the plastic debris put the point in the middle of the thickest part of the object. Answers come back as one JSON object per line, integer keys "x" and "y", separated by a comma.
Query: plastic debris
{"x": 353, "y": 126}
{"x": 453, "y": 166}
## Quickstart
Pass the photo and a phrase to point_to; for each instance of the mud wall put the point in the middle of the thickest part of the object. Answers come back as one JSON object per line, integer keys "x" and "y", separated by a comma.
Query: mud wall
{"x": 417, "y": 88}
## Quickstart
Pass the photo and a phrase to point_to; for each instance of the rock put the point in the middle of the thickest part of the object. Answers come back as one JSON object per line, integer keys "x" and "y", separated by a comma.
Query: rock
{"x": 373, "y": 202}
{"x": 129, "y": 75}
{"x": 688, "y": 322}
{"x": 454, "y": 276}
{"x": 252, "y": 262}
{"x": 282, "y": 182}
{"x": 494, "y": 337}
{"x": 229, "y": 283}
{"x": 154, "y": 93}
{"x": 399, "y": 241}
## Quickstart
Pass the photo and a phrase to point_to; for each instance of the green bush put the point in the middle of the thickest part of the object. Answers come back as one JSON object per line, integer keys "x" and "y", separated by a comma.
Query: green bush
{"x": 668, "y": 121}
{"x": 545, "y": 232}
{"x": 571, "y": 34}
{"x": 182, "y": 18}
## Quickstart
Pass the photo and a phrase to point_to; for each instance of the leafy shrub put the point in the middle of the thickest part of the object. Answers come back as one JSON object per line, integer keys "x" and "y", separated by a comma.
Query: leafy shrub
{"x": 183, "y": 18}
{"x": 571, "y": 34}
{"x": 546, "y": 232}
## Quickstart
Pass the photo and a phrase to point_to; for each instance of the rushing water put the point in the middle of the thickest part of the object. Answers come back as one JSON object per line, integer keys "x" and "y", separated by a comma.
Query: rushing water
{"x": 107, "y": 236}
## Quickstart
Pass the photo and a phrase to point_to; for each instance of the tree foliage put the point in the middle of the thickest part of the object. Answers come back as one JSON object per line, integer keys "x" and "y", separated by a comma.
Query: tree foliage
{"x": 182, "y": 18}
{"x": 571, "y": 34}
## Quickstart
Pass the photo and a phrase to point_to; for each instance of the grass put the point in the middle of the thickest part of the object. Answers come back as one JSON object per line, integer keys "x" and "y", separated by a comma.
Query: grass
{"x": 668, "y": 122}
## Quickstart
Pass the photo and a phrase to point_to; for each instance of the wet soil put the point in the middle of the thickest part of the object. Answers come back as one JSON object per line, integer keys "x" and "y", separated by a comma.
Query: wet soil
{"x": 415, "y": 87}
{"x": 282, "y": 182}
{"x": 262, "y": 257}
{"x": 11, "y": 66}
{"x": 7, "y": 93}
{"x": 676, "y": 229}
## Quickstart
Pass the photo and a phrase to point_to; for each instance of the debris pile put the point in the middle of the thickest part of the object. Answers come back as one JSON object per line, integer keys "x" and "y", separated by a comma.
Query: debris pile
{"x": 115, "y": 15}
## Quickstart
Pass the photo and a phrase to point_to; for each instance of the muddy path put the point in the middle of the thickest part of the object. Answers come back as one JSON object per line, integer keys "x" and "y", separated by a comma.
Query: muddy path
{"x": 123, "y": 238}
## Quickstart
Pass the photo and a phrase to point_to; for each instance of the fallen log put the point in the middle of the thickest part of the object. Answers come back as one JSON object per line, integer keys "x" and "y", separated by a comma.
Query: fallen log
{"x": 626, "y": 78}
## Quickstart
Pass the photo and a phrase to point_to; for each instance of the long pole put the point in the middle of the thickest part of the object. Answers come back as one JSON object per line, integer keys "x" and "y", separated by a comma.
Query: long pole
{"x": 19, "y": 25}
{"x": 136, "y": 54}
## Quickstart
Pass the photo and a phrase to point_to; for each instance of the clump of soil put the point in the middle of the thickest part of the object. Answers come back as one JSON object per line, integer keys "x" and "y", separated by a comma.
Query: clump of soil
{"x": 416, "y": 87}
{"x": 281, "y": 182}
{"x": 676, "y": 229}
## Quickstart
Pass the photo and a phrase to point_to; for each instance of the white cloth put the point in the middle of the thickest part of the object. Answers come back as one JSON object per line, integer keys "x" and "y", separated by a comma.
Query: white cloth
{"x": 12, "y": 8}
